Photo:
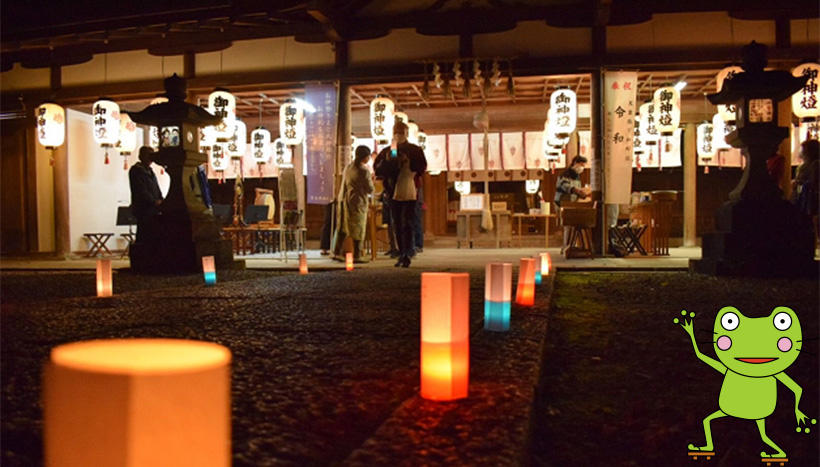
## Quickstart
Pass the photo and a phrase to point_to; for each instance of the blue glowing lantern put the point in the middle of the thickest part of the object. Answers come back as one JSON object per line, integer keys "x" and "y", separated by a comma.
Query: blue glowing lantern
{"x": 497, "y": 296}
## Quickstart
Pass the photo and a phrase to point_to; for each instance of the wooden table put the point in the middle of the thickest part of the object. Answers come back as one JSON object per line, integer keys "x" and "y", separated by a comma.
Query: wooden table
{"x": 98, "y": 240}
{"x": 521, "y": 216}
{"x": 129, "y": 239}
{"x": 467, "y": 228}
{"x": 250, "y": 239}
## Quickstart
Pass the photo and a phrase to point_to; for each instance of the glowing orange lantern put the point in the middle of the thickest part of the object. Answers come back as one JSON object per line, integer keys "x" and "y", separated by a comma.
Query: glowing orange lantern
{"x": 303, "y": 269}
{"x": 525, "y": 293}
{"x": 349, "y": 261}
{"x": 445, "y": 335}
{"x": 104, "y": 287}
{"x": 497, "y": 295}
{"x": 209, "y": 270}
{"x": 546, "y": 264}
{"x": 137, "y": 402}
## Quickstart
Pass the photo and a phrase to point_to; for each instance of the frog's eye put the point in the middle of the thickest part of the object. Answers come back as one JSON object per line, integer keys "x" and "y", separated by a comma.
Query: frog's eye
{"x": 729, "y": 321}
{"x": 782, "y": 321}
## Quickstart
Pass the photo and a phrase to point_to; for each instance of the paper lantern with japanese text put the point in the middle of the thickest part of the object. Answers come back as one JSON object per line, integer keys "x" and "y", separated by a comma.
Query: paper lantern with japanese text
{"x": 497, "y": 296}
{"x": 106, "y": 118}
{"x": 648, "y": 124}
{"x": 128, "y": 135}
{"x": 50, "y": 125}
{"x": 804, "y": 101}
{"x": 525, "y": 293}
{"x": 291, "y": 123}
{"x": 666, "y": 103}
{"x": 218, "y": 157}
{"x": 727, "y": 112}
{"x": 104, "y": 279}
{"x": 381, "y": 119}
{"x": 223, "y": 104}
{"x": 399, "y": 116}
{"x": 445, "y": 335}
{"x": 563, "y": 103}
{"x": 705, "y": 141}
{"x": 137, "y": 402}
{"x": 260, "y": 145}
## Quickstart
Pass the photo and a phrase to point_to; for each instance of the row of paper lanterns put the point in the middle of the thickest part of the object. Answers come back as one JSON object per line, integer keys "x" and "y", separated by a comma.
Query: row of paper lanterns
{"x": 384, "y": 116}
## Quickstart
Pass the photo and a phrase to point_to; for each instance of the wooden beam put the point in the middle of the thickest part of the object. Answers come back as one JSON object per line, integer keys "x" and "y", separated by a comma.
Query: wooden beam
{"x": 357, "y": 96}
{"x": 331, "y": 30}
{"x": 415, "y": 88}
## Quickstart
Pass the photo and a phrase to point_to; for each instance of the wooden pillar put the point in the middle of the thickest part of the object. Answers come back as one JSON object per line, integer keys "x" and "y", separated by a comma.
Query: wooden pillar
{"x": 784, "y": 119}
{"x": 189, "y": 73}
{"x": 690, "y": 172}
{"x": 596, "y": 173}
{"x": 344, "y": 130}
{"x": 340, "y": 49}
{"x": 62, "y": 240}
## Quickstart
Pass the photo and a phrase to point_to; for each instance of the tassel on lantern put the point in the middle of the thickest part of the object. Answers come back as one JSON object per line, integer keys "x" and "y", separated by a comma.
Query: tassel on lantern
{"x": 106, "y": 158}
{"x": 706, "y": 169}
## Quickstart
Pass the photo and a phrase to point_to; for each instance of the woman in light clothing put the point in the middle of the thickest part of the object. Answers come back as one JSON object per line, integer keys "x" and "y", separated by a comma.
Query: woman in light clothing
{"x": 357, "y": 186}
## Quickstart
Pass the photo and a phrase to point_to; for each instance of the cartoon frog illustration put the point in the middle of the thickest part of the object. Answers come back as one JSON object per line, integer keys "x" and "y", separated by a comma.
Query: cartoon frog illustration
{"x": 753, "y": 355}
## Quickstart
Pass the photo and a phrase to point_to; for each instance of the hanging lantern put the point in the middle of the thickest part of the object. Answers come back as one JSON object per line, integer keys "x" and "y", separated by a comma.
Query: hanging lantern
{"x": 260, "y": 145}
{"x": 667, "y": 109}
{"x": 809, "y": 129}
{"x": 463, "y": 188}
{"x": 104, "y": 287}
{"x": 413, "y": 133}
{"x": 727, "y": 112}
{"x": 50, "y": 125}
{"x": 399, "y": 116}
{"x": 804, "y": 101}
{"x": 525, "y": 293}
{"x": 218, "y": 159}
{"x": 497, "y": 295}
{"x": 283, "y": 156}
{"x": 549, "y": 142}
{"x": 531, "y": 186}
{"x": 223, "y": 104}
{"x": 705, "y": 141}
{"x": 445, "y": 335}
{"x": 648, "y": 126}
{"x": 106, "y": 114}
{"x": 564, "y": 103}
{"x": 303, "y": 266}
{"x": 128, "y": 139}
{"x": 208, "y": 270}
{"x": 422, "y": 140}
{"x": 719, "y": 132}
{"x": 207, "y": 138}
{"x": 237, "y": 143}
{"x": 381, "y": 119}
{"x": 291, "y": 123}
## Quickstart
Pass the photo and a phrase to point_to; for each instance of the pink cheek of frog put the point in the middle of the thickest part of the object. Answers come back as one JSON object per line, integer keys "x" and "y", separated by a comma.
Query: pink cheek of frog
{"x": 724, "y": 342}
{"x": 784, "y": 344}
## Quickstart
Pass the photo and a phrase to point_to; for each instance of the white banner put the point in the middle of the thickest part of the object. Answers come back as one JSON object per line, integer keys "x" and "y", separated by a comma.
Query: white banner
{"x": 512, "y": 151}
{"x": 458, "y": 157}
{"x": 535, "y": 150}
{"x": 619, "y": 105}
{"x": 436, "y": 153}
{"x": 477, "y": 154}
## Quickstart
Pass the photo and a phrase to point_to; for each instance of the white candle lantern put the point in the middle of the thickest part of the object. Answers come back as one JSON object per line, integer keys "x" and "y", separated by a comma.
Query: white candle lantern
{"x": 291, "y": 123}
{"x": 50, "y": 125}
{"x": 667, "y": 109}
{"x": 381, "y": 119}
{"x": 106, "y": 115}
{"x": 223, "y": 104}
{"x": 260, "y": 145}
{"x": 237, "y": 143}
{"x": 564, "y": 103}
{"x": 804, "y": 101}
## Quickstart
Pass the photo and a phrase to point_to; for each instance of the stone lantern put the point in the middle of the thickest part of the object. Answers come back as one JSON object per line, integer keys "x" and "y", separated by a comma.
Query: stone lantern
{"x": 189, "y": 229}
{"x": 758, "y": 232}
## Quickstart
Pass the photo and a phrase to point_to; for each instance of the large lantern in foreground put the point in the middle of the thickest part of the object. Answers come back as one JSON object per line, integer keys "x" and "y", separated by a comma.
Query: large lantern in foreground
{"x": 222, "y": 104}
{"x": 563, "y": 104}
{"x": 106, "y": 115}
{"x": 50, "y": 125}
{"x": 804, "y": 101}
{"x": 727, "y": 112}
{"x": 445, "y": 335}
{"x": 381, "y": 119}
{"x": 291, "y": 123}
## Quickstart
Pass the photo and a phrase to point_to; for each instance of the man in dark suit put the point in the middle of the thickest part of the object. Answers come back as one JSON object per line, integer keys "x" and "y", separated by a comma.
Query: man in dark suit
{"x": 146, "y": 197}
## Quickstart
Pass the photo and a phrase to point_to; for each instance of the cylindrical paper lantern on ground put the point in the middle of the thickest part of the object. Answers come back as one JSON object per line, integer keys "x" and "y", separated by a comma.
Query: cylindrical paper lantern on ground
{"x": 137, "y": 402}
{"x": 445, "y": 335}
{"x": 537, "y": 269}
{"x": 303, "y": 268}
{"x": 209, "y": 270}
{"x": 525, "y": 293}
{"x": 349, "y": 261}
{"x": 497, "y": 296}
{"x": 104, "y": 286}
{"x": 546, "y": 263}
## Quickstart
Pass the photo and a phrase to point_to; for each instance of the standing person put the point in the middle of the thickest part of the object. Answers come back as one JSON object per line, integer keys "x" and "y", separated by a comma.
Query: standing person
{"x": 805, "y": 189}
{"x": 146, "y": 197}
{"x": 358, "y": 185}
{"x": 398, "y": 168}
{"x": 324, "y": 239}
{"x": 418, "y": 229}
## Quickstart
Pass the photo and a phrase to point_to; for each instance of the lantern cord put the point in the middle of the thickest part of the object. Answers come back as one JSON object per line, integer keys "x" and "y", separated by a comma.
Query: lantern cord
{"x": 260, "y": 112}
{"x": 105, "y": 68}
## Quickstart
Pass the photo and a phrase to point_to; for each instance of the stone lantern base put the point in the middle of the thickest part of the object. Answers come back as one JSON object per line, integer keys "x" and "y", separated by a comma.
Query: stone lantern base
{"x": 761, "y": 238}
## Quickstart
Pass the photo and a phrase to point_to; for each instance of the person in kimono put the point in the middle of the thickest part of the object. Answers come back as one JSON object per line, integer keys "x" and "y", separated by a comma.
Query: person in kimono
{"x": 146, "y": 197}
{"x": 354, "y": 198}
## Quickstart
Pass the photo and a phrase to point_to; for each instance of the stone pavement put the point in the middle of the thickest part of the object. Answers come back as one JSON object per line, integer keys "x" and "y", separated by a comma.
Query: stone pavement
{"x": 325, "y": 366}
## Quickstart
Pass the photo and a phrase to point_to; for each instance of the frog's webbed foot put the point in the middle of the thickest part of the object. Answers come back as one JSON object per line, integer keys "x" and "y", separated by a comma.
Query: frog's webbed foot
{"x": 801, "y": 421}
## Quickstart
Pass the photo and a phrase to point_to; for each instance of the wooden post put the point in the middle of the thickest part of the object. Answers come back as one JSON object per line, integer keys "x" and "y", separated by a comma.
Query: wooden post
{"x": 784, "y": 119}
{"x": 62, "y": 241}
{"x": 690, "y": 172}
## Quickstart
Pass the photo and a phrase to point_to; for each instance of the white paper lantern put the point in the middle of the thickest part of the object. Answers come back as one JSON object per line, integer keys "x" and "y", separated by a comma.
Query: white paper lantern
{"x": 218, "y": 157}
{"x": 413, "y": 133}
{"x": 291, "y": 123}
{"x": 549, "y": 149}
{"x": 381, "y": 119}
{"x": 648, "y": 125}
{"x": 282, "y": 155}
{"x": 804, "y": 101}
{"x": 128, "y": 135}
{"x": 719, "y": 132}
{"x": 50, "y": 125}
{"x": 223, "y": 104}
{"x": 106, "y": 115}
{"x": 421, "y": 137}
{"x": 637, "y": 141}
{"x": 260, "y": 145}
{"x": 238, "y": 141}
{"x": 807, "y": 130}
{"x": 463, "y": 188}
{"x": 207, "y": 137}
{"x": 727, "y": 112}
{"x": 399, "y": 116}
{"x": 531, "y": 186}
{"x": 564, "y": 103}
{"x": 666, "y": 103}
{"x": 705, "y": 141}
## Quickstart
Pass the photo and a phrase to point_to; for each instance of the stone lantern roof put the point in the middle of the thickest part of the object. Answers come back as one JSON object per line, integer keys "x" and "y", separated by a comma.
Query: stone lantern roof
{"x": 176, "y": 110}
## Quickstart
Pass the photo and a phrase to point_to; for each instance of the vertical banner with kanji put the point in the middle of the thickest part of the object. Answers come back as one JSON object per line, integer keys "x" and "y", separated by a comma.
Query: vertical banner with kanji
{"x": 619, "y": 106}
{"x": 320, "y": 141}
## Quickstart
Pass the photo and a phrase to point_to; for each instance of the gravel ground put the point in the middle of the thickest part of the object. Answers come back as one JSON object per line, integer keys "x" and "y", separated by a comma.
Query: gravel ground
{"x": 622, "y": 385}
{"x": 325, "y": 367}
